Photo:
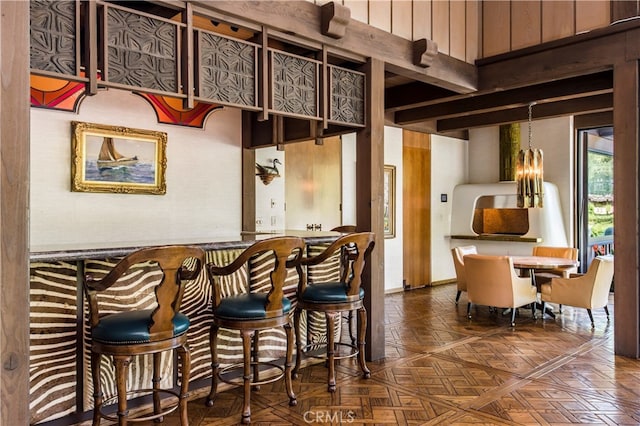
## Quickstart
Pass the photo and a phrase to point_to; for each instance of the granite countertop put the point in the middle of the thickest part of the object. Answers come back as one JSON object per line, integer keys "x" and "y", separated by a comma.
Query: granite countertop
{"x": 101, "y": 250}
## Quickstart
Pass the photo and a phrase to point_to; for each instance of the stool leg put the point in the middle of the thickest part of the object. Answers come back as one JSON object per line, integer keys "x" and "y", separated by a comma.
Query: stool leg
{"x": 97, "y": 387}
{"x": 246, "y": 353}
{"x": 122, "y": 365}
{"x": 156, "y": 385}
{"x": 331, "y": 323}
{"x": 185, "y": 359}
{"x": 287, "y": 365}
{"x": 362, "y": 330}
{"x": 296, "y": 320}
{"x": 215, "y": 366}
{"x": 351, "y": 336}
{"x": 255, "y": 350}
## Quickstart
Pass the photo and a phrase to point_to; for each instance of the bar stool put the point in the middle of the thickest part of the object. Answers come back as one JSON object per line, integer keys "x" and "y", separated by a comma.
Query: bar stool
{"x": 136, "y": 331}
{"x": 347, "y": 229}
{"x": 262, "y": 307}
{"x": 335, "y": 297}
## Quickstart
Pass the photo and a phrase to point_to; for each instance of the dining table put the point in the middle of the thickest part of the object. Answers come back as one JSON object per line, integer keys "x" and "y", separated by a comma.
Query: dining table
{"x": 530, "y": 264}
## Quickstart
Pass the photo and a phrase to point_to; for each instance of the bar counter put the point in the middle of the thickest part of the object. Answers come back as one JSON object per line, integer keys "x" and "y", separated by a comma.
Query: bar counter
{"x": 60, "y": 379}
{"x": 72, "y": 252}
{"x": 498, "y": 237}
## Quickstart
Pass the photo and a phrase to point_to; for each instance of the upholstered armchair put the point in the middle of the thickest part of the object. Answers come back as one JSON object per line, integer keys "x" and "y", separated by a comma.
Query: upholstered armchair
{"x": 589, "y": 291}
{"x": 565, "y": 252}
{"x": 458, "y": 254}
{"x": 492, "y": 281}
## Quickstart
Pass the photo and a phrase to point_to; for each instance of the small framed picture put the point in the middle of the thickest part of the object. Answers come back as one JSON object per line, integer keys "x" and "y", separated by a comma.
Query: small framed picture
{"x": 389, "y": 201}
{"x": 117, "y": 159}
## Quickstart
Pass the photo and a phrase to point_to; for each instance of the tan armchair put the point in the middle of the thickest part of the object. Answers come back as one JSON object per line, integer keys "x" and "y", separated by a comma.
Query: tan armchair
{"x": 458, "y": 254}
{"x": 564, "y": 252}
{"x": 588, "y": 291}
{"x": 492, "y": 281}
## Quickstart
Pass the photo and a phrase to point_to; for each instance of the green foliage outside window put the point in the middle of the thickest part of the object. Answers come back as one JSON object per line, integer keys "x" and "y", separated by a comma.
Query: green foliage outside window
{"x": 600, "y": 181}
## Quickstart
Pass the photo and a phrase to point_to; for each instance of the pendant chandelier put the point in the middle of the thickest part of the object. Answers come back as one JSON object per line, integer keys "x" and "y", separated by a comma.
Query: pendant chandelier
{"x": 529, "y": 174}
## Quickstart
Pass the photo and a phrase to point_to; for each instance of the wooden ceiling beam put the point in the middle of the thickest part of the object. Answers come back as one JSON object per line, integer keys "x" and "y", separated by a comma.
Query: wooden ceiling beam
{"x": 577, "y": 106}
{"x": 414, "y": 94}
{"x": 582, "y": 86}
{"x": 582, "y": 54}
{"x": 598, "y": 119}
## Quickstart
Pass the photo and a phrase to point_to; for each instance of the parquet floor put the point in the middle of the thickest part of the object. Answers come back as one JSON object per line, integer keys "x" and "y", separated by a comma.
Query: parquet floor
{"x": 443, "y": 369}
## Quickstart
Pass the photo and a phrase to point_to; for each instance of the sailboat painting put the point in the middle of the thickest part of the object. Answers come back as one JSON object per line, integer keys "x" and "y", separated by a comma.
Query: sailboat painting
{"x": 117, "y": 159}
{"x": 109, "y": 158}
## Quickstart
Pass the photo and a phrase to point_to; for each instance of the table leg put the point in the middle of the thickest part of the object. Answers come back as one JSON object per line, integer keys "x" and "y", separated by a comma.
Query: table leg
{"x": 544, "y": 309}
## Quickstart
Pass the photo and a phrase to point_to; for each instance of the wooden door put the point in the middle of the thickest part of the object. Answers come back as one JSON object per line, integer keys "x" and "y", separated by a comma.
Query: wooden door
{"x": 313, "y": 184}
{"x": 416, "y": 208}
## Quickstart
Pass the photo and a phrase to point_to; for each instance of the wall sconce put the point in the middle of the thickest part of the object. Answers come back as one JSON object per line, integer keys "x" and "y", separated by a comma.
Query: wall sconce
{"x": 267, "y": 173}
{"x": 529, "y": 174}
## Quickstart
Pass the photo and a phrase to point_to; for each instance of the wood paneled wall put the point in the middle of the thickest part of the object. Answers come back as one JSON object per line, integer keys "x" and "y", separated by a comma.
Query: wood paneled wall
{"x": 472, "y": 29}
{"x": 313, "y": 184}
{"x": 512, "y": 25}
{"x": 453, "y": 24}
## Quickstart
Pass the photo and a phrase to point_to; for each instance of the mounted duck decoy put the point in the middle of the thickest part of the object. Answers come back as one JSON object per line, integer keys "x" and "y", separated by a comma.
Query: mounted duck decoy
{"x": 267, "y": 173}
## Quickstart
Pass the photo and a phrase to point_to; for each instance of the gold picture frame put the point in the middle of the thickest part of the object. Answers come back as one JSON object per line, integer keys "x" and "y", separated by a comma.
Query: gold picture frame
{"x": 137, "y": 166}
{"x": 389, "y": 201}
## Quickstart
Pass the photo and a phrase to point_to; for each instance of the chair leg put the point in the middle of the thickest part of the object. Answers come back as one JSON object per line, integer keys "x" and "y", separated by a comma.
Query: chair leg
{"x": 458, "y": 296}
{"x": 331, "y": 323}
{"x": 513, "y": 317}
{"x": 215, "y": 366}
{"x": 469, "y": 310}
{"x": 606, "y": 311}
{"x": 246, "y": 376}
{"x": 97, "y": 387}
{"x": 362, "y": 330}
{"x": 533, "y": 310}
{"x": 156, "y": 384}
{"x": 288, "y": 364}
{"x": 122, "y": 365}
{"x": 593, "y": 324}
{"x": 185, "y": 359}
{"x": 296, "y": 322}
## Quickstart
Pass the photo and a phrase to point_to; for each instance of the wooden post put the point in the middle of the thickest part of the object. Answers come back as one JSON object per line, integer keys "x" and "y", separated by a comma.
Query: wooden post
{"x": 369, "y": 203}
{"x": 626, "y": 132}
{"x": 509, "y": 148}
{"x": 14, "y": 217}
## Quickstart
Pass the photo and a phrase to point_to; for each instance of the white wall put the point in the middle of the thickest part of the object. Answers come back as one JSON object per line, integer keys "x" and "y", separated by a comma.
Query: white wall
{"x": 448, "y": 168}
{"x": 270, "y": 199}
{"x": 393, "y": 266}
{"x": 484, "y": 155}
{"x": 393, "y": 247}
{"x": 203, "y": 178}
{"x": 348, "y": 179}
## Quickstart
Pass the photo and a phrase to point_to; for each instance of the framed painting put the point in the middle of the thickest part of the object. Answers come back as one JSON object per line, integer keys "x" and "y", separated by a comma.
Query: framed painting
{"x": 117, "y": 159}
{"x": 389, "y": 201}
